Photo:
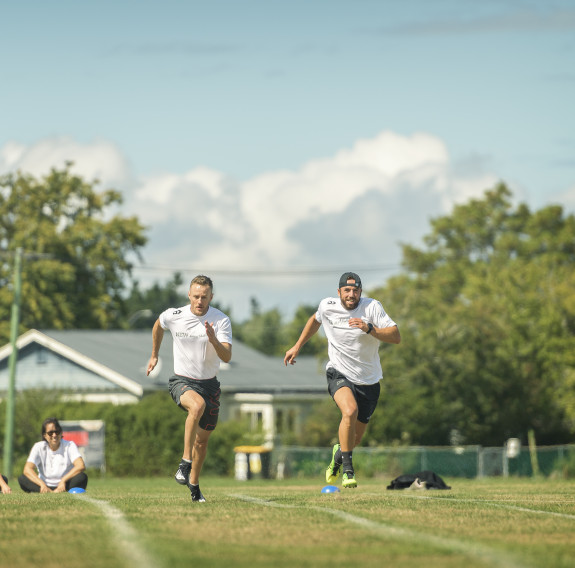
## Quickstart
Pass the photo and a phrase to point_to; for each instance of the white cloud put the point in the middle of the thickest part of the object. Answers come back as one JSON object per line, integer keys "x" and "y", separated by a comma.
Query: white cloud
{"x": 567, "y": 199}
{"x": 98, "y": 160}
{"x": 396, "y": 181}
{"x": 349, "y": 210}
{"x": 392, "y": 154}
{"x": 361, "y": 201}
{"x": 276, "y": 203}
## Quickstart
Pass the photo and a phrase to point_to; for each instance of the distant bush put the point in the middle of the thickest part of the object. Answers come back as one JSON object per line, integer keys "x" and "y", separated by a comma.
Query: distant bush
{"x": 564, "y": 468}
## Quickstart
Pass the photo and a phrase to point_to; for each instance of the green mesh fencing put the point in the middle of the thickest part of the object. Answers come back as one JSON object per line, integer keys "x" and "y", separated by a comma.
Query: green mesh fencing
{"x": 548, "y": 460}
{"x": 466, "y": 461}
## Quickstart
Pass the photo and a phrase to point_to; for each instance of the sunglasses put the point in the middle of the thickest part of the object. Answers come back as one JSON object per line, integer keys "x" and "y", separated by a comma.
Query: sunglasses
{"x": 53, "y": 433}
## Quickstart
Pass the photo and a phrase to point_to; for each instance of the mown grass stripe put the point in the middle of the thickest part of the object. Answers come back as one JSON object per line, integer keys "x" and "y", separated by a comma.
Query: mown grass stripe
{"x": 492, "y": 503}
{"x": 489, "y": 556}
{"x": 126, "y": 536}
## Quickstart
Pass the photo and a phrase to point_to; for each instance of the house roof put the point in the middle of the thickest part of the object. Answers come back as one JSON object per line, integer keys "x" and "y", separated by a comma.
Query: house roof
{"x": 121, "y": 357}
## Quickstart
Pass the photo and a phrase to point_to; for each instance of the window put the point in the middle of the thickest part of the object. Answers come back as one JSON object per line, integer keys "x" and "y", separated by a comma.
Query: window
{"x": 285, "y": 421}
{"x": 279, "y": 421}
{"x": 41, "y": 357}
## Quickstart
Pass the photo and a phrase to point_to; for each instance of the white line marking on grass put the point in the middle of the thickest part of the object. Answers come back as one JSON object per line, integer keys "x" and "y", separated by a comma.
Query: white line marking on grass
{"x": 483, "y": 553}
{"x": 126, "y": 536}
{"x": 495, "y": 504}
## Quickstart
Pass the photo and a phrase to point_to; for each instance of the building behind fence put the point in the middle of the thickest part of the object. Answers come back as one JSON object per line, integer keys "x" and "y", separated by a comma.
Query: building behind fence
{"x": 463, "y": 461}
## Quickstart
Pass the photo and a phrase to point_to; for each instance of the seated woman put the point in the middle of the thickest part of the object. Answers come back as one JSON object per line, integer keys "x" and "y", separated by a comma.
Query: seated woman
{"x": 4, "y": 487}
{"x": 58, "y": 463}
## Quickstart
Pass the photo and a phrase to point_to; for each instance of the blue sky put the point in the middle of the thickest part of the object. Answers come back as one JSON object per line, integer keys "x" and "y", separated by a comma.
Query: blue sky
{"x": 278, "y": 144}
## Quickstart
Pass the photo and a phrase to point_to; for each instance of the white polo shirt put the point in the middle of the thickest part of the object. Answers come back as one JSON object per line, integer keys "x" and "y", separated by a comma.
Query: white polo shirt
{"x": 53, "y": 466}
{"x": 194, "y": 356}
{"x": 351, "y": 351}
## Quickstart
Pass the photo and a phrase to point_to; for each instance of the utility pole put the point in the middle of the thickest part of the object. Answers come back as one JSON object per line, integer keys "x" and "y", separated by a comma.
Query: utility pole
{"x": 14, "y": 322}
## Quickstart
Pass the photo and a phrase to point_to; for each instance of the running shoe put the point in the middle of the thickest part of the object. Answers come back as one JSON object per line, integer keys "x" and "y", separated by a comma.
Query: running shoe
{"x": 196, "y": 494}
{"x": 332, "y": 471}
{"x": 183, "y": 474}
{"x": 348, "y": 480}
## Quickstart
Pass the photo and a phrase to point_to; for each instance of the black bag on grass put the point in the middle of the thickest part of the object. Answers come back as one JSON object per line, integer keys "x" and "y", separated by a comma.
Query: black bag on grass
{"x": 431, "y": 479}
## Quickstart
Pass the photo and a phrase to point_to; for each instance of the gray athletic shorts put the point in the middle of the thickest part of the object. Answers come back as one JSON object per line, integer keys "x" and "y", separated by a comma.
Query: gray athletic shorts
{"x": 366, "y": 396}
{"x": 208, "y": 389}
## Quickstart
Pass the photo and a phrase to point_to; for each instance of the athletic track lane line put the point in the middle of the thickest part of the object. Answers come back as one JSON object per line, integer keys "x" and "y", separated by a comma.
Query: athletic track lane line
{"x": 489, "y": 556}
{"x": 126, "y": 536}
{"x": 497, "y": 504}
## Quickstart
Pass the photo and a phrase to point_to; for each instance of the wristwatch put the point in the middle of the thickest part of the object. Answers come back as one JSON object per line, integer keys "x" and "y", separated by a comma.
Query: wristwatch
{"x": 369, "y": 328}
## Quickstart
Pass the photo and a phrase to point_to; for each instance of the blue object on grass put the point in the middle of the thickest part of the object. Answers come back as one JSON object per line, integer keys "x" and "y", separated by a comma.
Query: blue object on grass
{"x": 330, "y": 489}
{"x": 77, "y": 490}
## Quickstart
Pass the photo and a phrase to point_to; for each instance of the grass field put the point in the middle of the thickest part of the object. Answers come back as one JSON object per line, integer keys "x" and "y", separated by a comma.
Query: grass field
{"x": 150, "y": 523}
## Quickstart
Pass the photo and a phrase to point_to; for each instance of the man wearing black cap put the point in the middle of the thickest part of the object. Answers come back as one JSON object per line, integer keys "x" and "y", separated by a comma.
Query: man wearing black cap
{"x": 354, "y": 327}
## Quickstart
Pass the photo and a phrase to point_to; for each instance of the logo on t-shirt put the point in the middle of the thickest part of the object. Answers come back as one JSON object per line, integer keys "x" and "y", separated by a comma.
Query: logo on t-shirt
{"x": 181, "y": 334}
{"x": 339, "y": 322}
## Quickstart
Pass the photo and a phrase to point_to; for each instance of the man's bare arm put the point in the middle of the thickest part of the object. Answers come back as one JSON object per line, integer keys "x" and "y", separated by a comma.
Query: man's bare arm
{"x": 157, "y": 337}
{"x": 310, "y": 329}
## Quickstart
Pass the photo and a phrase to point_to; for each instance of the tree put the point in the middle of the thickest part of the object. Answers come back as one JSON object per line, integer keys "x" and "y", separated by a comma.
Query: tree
{"x": 263, "y": 331}
{"x": 317, "y": 345}
{"x": 266, "y": 332}
{"x": 144, "y": 306}
{"x": 76, "y": 256}
{"x": 487, "y": 316}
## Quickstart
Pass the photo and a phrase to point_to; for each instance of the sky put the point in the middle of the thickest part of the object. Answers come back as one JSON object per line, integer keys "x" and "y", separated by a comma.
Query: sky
{"x": 274, "y": 145}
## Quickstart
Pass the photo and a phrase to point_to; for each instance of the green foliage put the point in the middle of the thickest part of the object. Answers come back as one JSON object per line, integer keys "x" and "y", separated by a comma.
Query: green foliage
{"x": 144, "y": 306}
{"x": 487, "y": 317}
{"x": 76, "y": 256}
{"x": 564, "y": 468}
{"x": 32, "y": 408}
{"x": 321, "y": 427}
{"x": 228, "y": 435}
{"x": 266, "y": 332}
{"x": 263, "y": 331}
{"x": 317, "y": 345}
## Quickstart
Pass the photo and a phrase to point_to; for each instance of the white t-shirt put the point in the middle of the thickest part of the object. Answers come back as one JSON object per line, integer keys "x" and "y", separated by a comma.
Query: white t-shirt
{"x": 53, "y": 466}
{"x": 351, "y": 351}
{"x": 194, "y": 356}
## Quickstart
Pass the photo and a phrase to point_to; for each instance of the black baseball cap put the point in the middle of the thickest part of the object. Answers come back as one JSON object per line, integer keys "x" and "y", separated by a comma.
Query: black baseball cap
{"x": 343, "y": 281}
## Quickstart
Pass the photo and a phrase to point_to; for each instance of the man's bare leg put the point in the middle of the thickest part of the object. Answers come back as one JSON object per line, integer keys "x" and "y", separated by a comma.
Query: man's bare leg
{"x": 199, "y": 455}
{"x": 195, "y": 406}
{"x": 348, "y": 406}
{"x": 349, "y": 433}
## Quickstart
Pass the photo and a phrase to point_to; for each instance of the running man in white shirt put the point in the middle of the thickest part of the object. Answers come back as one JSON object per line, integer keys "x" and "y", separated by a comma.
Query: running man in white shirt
{"x": 354, "y": 327}
{"x": 202, "y": 337}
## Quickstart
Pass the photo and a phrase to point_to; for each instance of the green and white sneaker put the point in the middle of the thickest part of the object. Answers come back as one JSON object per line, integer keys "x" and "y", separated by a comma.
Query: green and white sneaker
{"x": 348, "y": 480}
{"x": 332, "y": 471}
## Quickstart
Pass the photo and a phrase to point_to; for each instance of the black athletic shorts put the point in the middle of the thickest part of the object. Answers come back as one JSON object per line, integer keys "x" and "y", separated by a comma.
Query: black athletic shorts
{"x": 208, "y": 389}
{"x": 366, "y": 396}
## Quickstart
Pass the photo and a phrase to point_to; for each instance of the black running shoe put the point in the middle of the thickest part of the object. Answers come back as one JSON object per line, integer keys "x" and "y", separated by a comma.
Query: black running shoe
{"x": 196, "y": 494}
{"x": 183, "y": 474}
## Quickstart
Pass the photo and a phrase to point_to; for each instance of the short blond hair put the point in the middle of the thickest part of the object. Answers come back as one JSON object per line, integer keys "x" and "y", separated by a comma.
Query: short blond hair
{"x": 202, "y": 280}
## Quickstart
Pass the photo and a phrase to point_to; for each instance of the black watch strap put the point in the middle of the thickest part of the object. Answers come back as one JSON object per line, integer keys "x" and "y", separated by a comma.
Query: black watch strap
{"x": 369, "y": 328}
